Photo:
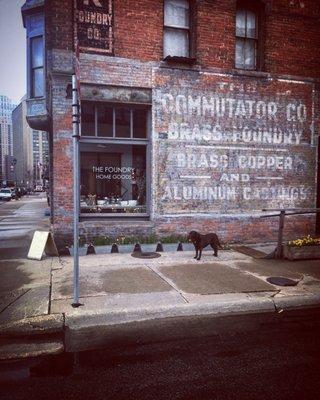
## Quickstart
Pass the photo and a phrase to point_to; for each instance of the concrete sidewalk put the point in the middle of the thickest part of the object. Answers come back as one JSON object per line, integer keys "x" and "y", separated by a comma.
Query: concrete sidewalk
{"x": 118, "y": 289}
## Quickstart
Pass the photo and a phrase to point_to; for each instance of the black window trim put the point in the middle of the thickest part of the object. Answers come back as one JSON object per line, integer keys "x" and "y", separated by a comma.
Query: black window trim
{"x": 131, "y": 106}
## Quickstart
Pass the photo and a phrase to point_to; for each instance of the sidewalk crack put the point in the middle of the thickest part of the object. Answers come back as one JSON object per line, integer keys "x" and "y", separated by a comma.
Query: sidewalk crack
{"x": 272, "y": 296}
{"x": 161, "y": 276}
{"x": 13, "y": 301}
{"x": 301, "y": 279}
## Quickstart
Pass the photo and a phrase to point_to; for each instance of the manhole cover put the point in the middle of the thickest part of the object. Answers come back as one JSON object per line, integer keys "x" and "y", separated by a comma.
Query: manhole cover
{"x": 280, "y": 281}
{"x": 145, "y": 255}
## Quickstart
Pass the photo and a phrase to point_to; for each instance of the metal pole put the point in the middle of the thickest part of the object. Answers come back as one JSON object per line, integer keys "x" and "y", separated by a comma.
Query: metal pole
{"x": 280, "y": 235}
{"x": 76, "y": 186}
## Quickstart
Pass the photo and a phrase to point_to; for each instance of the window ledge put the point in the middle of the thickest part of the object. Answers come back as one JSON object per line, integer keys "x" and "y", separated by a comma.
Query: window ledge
{"x": 139, "y": 221}
{"x": 247, "y": 69}
{"x": 181, "y": 60}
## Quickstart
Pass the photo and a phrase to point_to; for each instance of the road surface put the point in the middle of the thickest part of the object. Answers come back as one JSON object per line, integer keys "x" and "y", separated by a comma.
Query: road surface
{"x": 251, "y": 357}
{"x": 18, "y": 220}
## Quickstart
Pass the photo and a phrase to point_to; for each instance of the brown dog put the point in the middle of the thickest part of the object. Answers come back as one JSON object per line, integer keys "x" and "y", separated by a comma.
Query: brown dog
{"x": 201, "y": 241}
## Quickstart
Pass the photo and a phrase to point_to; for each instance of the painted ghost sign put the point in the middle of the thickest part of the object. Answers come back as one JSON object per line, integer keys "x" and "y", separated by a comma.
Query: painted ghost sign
{"x": 94, "y": 25}
{"x": 232, "y": 144}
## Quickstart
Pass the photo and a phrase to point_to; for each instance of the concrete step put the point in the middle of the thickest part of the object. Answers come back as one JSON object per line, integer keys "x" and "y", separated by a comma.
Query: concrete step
{"x": 19, "y": 349}
{"x": 32, "y": 337}
{"x": 34, "y": 326}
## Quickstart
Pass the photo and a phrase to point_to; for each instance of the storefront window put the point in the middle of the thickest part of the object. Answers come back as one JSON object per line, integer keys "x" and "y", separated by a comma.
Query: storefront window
{"x": 118, "y": 121}
{"x": 123, "y": 122}
{"x": 88, "y": 119}
{"x": 139, "y": 123}
{"x": 113, "y": 179}
{"x": 105, "y": 121}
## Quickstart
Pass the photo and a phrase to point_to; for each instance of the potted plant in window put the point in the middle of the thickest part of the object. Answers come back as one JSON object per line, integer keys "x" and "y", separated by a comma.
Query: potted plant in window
{"x": 302, "y": 249}
{"x": 140, "y": 182}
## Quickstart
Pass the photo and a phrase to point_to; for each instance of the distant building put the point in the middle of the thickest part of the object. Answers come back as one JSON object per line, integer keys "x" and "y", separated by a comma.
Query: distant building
{"x": 40, "y": 152}
{"x": 30, "y": 150}
{"x": 6, "y": 140}
{"x": 22, "y": 147}
{"x": 6, "y": 106}
{"x": 9, "y": 169}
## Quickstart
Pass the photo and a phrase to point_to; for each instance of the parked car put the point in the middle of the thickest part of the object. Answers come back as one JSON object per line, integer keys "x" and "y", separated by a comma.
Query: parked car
{"x": 21, "y": 191}
{"x": 6, "y": 194}
{"x": 14, "y": 192}
{"x": 38, "y": 188}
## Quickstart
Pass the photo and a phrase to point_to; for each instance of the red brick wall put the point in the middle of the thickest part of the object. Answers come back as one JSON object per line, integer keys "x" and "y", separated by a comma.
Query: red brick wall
{"x": 138, "y": 29}
{"x": 215, "y": 33}
{"x": 59, "y": 24}
{"x": 62, "y": 198}
{"x": 292, "y": 46}
{"x": 292, "y": 35}
{"x": 293, "y": 38}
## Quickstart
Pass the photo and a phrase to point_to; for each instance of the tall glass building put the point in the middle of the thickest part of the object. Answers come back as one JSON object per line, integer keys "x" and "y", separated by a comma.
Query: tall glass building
{"x": 6, "y": 139}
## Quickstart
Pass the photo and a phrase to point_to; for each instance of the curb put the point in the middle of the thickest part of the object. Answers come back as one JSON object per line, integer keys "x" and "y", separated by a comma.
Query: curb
{"x": 29, "y": 327}
{"x": 297, "y": 301}
{"x": 30, "y": 349}
{"x": 89, "y": 331}
{"x": 254, "y": 302}
{"x": 181, "y": 310}
{"x": 32, "y": 337}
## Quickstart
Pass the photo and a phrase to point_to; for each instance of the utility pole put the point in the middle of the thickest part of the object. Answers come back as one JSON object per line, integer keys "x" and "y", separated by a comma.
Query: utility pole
{"x": 76, "y": 186}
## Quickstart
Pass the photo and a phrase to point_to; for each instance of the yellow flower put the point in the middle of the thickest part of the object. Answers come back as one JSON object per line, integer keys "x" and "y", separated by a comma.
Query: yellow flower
{"x": 305, "y": 241}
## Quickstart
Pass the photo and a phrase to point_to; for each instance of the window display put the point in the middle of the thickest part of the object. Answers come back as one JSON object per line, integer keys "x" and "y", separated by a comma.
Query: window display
{"x": 113, "y": 179}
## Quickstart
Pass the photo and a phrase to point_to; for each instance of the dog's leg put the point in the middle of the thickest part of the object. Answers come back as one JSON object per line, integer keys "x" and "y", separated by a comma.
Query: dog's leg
{"x": 196, "y": 256}
{"x": 200, "y": 252}
{"x": 215, "y": 248}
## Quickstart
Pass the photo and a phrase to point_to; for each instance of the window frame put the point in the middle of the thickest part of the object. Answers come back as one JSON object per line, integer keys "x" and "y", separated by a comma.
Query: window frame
{"x": 131, "y": 106}
{"x": 190, "y": 58}
{"x": 258, "y": 8}
{"x": 33, "y": 32}
{"x": 105, "y": 140}
{"x": 33, "y": 69}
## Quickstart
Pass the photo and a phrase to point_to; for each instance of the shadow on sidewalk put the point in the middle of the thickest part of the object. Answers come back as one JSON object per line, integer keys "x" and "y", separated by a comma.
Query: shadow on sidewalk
{"x": 13, "y": 277}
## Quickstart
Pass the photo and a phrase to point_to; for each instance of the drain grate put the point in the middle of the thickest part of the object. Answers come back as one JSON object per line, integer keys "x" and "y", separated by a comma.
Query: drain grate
{"x": 281, "y": 281}
{"x": 145, "y": 254}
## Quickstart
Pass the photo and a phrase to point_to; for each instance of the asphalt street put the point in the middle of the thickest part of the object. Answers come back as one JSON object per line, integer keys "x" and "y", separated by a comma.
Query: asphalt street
{"x": 257, "y": 356}
{"x": 18, "y": 220}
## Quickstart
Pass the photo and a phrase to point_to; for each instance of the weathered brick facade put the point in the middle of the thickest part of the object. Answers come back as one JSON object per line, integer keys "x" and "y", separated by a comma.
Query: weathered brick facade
{"x": 224, "y": 143}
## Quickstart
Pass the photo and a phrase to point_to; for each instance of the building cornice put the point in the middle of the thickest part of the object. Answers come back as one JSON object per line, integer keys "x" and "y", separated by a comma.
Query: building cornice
{"x": 30, "y": 7}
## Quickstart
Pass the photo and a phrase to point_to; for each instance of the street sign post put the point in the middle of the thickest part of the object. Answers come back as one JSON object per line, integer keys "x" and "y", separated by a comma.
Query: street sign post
{"x": 76, "y": 185}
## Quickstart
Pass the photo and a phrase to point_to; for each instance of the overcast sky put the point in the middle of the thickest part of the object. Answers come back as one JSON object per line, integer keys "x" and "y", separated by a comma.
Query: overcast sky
{"x": 12, "y": 50}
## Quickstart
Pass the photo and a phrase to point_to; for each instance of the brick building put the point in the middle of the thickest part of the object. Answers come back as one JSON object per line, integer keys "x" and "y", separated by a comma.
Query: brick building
{"x": 30, "y": 150}
{"x": 194, "y": 114}
{"x": 6, "y": 141}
